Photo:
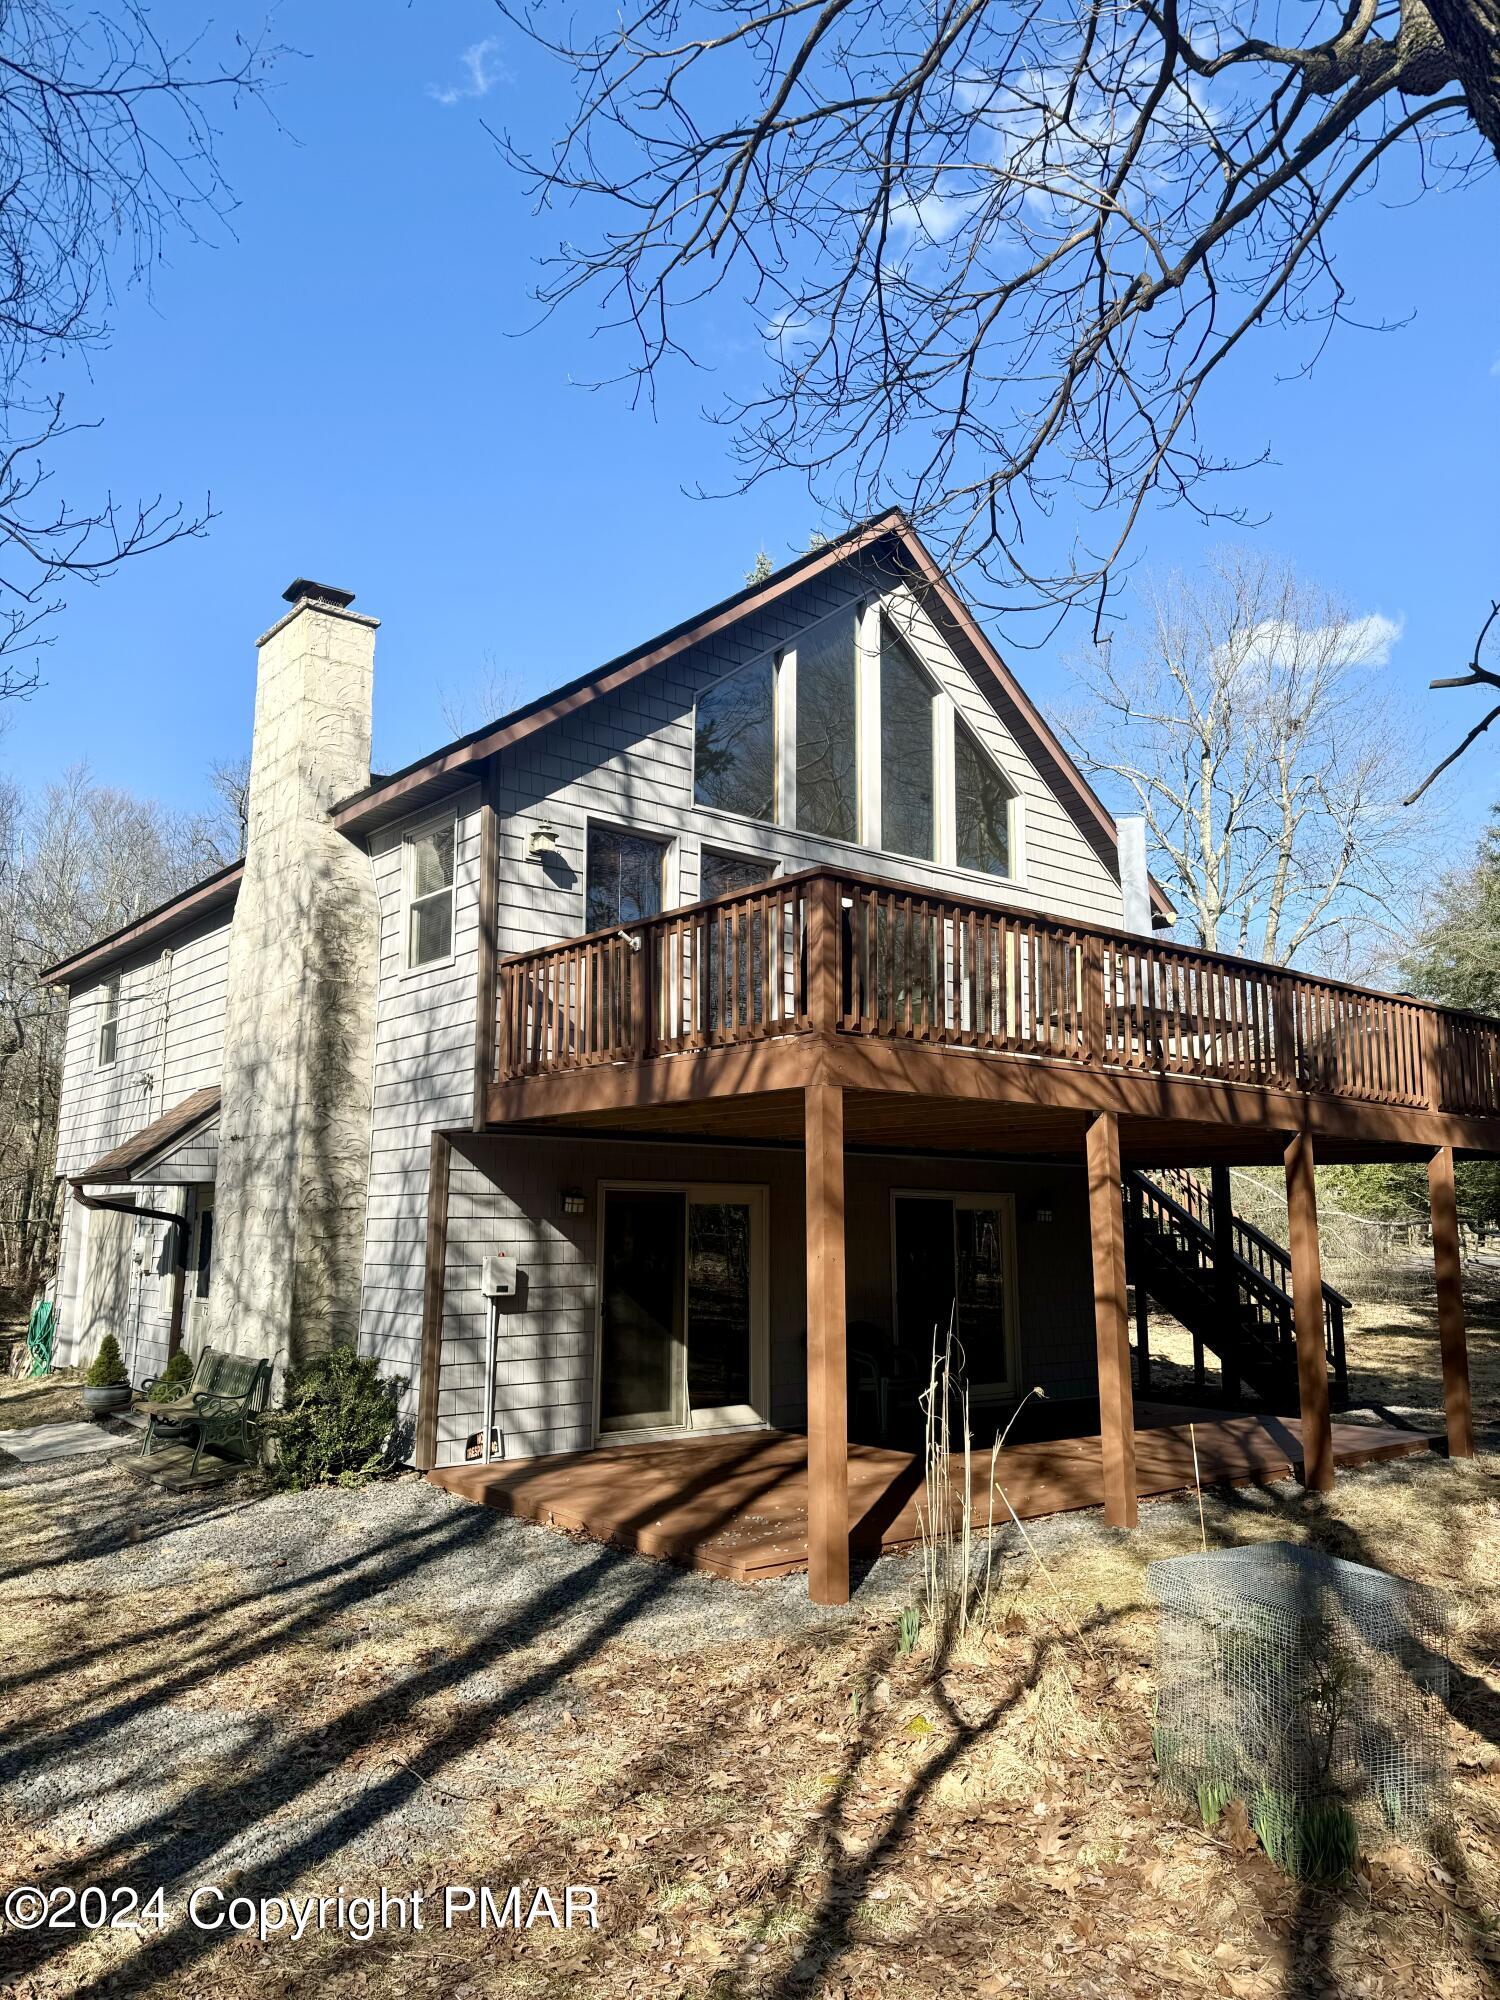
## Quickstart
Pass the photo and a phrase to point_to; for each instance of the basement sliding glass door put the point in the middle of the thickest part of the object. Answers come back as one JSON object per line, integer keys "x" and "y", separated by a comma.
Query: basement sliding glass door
{"x": 955, "y": 1256}
{"x": 682, "y": 1309}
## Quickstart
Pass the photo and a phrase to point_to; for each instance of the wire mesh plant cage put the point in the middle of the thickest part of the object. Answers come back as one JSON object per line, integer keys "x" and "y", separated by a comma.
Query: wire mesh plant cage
{"x": 1311, "y": 1688}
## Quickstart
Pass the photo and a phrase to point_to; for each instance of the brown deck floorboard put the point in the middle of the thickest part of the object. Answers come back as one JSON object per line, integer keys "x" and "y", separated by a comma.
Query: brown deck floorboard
{"x": 736, "y": 1505}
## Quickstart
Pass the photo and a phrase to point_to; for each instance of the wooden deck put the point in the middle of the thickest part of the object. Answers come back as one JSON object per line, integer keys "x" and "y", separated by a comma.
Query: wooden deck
{"x": 737, "y": 1505}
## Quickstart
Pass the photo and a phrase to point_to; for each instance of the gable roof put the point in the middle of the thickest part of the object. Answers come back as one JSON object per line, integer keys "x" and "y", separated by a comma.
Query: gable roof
{"x": 892, "y": 538}
{"x": 212, "y": 893}
{"x": 457, "y": 764}
{"x": 125, "y": 1161}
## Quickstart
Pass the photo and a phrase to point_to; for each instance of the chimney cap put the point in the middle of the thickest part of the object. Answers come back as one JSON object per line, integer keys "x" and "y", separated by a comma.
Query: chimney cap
{"x": 303, "y": 590}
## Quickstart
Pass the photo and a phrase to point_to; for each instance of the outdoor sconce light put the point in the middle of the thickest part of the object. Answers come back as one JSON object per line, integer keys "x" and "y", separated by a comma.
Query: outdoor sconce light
{"x": 543, "y": 841}
{"x": 572, "y": 1201}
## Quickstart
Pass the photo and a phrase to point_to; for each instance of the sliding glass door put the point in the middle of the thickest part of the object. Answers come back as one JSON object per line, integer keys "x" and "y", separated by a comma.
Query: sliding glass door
{"x": 954, "y": 1258}
{"x": 682, "y": 1312}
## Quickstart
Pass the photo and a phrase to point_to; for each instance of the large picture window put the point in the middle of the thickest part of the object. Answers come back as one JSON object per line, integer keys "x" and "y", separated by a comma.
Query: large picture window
{"x": 429, "y": 861}
{"x": 827, "y": 752}
{"x": 982, "y": 807}
{"x": 624, "y": 881}
{"x": 849, "y": 734}
{"x": 907, "y": 818}
{"x": 734, "y": 744}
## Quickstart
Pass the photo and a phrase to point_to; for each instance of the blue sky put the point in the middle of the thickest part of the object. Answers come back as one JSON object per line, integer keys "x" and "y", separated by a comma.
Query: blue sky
{"x": 347, "y": 376}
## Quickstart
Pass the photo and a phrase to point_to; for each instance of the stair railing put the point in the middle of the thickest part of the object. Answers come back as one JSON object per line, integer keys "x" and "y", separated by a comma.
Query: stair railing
{"x": 1182, "y": 1213}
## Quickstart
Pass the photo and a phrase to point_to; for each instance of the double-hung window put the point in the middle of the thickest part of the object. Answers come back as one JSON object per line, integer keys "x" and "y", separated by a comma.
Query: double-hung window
{"x": 428, "y": 862}
{"x": 107, "y": 1044}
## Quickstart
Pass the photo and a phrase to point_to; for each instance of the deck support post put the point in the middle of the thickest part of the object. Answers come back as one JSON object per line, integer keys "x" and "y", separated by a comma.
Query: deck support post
{"x": 1226, "y": 1283}
{"x": 424, "y": 1452}
{"x": 1448, "y": 1272}
{"x": 827, "y": 1406}
{"x": 1111, "y": 1321}
{"x": 1307, "y": 1313}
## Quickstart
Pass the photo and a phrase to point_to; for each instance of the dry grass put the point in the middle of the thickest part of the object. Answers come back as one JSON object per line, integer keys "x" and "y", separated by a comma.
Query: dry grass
{"x": 1393, "y": 1360}
{"x": 51, "y": 1399}
{"x": 815, "y": 1816}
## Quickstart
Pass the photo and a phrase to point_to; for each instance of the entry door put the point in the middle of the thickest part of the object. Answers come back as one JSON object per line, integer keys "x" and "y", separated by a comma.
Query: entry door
{"x": 681, "y": 1309}
{"x": 954, "y": 1257}
{"x": 199, "y": 1275}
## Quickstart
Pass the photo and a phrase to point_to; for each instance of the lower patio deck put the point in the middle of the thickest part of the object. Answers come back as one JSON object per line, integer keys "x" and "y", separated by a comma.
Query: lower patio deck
{"x": 736, "y": 1505}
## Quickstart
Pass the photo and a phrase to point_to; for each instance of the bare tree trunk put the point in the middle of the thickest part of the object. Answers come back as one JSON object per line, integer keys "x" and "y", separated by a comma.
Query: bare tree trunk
{"x": 1471, "y": 33}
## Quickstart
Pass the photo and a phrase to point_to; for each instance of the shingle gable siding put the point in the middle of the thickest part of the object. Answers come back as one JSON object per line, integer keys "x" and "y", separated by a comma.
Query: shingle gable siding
{"x": 171, "y": 1030}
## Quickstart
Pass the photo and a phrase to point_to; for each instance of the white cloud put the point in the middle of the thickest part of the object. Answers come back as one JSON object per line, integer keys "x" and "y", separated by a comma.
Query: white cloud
{"x": 1364, "y": 642}
{"x": 482, "y": 70}
{"x": 1495, "y": 365}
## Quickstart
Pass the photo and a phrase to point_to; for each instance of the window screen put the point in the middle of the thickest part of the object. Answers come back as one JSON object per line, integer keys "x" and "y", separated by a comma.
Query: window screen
{"x": 429, "y": 880}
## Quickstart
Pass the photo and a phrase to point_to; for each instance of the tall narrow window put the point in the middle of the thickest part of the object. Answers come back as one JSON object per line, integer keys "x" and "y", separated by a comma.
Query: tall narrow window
{"x": 624, "y": 878}
{"x": 827, "y": 760}
{"x": 429, "y": 857}
{"x": 734, "y": 744}
{"x": 982, "y": 800}
{"x": 907, "y": 819}
{"x": 107, "y": 1045}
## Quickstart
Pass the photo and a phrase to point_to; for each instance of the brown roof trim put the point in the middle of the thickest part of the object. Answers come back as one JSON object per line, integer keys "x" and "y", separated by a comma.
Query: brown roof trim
{"x": 362, "y": 810}
{"x": 955, "y": 619}
{"x": 169, "y": 916}
{"x": 123, "y": 1162}
{"x": 446, "y": 769}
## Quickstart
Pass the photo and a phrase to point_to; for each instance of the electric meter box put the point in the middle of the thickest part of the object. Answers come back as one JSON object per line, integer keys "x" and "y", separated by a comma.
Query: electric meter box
{"x": 498, "y": 1276}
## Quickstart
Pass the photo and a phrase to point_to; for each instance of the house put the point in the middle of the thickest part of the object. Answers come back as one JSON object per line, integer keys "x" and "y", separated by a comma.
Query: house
{"x": 646, "y": 1074}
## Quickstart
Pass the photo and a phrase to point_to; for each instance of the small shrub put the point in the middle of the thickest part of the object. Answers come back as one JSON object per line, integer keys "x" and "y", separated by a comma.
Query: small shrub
{"x": 1316, "y": 1840}
{"x": 107, "y": 1370}
{"x": 173, "y": 1380}
{"x": 336, "y": 1422}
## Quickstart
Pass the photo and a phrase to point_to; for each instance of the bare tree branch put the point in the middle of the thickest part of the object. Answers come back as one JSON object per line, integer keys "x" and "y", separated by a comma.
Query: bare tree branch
{"x": 107, "y": 150}
{"x": 1477, "y": 676}
{"x": 996, "y": 251}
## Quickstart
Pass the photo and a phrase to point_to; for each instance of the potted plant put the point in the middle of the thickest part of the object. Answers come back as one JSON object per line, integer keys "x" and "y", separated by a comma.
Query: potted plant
{"x": 106, "y": 1386}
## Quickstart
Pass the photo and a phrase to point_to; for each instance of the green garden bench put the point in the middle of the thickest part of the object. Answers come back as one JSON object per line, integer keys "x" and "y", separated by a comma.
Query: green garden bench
{"x": 227, "y": 1394}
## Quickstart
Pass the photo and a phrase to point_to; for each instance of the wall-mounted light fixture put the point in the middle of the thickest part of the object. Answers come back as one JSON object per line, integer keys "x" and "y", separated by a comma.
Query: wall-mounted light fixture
{"x": 543, "y": 840}
{"x": 573, "y": 1202}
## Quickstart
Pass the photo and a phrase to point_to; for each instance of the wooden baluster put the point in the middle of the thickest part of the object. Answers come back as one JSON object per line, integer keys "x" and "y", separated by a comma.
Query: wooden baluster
{"x": 1432, "y": 1074}
{"x": 823, "y": 954}
{"x": 1092, "y": 964}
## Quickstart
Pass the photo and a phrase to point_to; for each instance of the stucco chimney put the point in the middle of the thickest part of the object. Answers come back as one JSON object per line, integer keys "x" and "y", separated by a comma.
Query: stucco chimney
{"x": 299, "y": 1019}
{"x": 1135, "y": 882}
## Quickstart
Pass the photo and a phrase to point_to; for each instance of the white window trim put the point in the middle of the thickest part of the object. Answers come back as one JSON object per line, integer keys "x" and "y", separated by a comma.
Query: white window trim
{"x": 867, "y": 724}
{"x": 785, "y": 716}
{"x": 409, "y": 836}
{"x": 111, "y": 986}
{"x": 671, "y": 871}
{"x": 758, "y": 1195}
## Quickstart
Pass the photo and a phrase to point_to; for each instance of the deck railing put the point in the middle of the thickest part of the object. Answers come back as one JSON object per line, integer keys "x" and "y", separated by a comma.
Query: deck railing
{"x": 843, "y": 953}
